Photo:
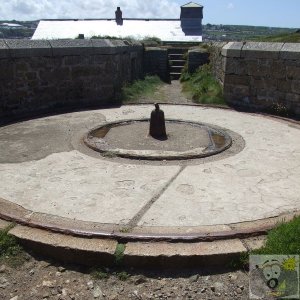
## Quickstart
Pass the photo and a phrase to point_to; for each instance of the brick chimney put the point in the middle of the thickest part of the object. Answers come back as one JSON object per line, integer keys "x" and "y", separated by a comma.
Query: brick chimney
{"x": 119, "y": 18}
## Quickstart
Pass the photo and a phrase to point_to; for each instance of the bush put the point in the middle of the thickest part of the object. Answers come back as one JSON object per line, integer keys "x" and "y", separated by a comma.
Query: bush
{"x": 151, "y": 41}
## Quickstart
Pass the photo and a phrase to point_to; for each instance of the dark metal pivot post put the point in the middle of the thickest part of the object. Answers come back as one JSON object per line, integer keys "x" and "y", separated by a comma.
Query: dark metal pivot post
{"x": 157, "y": 124}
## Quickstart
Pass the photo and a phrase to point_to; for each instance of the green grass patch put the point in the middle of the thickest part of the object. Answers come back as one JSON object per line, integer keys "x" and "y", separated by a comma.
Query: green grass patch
{"x": 139, "y": 88}
{"x": 284, "y": 239}
{"x": 119, "y": 254}
{"x": 10, "y": 251}
{"x": 123, "y": 276}
{"x": 8, "y": 244}
{"x": 280, "y": 38}
{"x": 99, "y": 273}
{"x": 151, "y": 41}
{"x": 202, "y": 87}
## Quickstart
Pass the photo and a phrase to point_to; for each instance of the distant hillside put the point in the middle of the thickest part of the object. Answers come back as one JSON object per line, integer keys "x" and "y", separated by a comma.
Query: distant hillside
{"x": 283, "y": 38}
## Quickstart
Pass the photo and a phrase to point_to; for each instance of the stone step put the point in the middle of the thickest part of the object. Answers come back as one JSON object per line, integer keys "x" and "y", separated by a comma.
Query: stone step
{"x": 176, "y": 69}
{"x": 175, "y": 75}
{"x": 177, "y": 50}
{"x": 99, "y": 251}
{"x": 179, "y": 62}
{"x": 181, "y": 44}
{"x": 176, "y": 56}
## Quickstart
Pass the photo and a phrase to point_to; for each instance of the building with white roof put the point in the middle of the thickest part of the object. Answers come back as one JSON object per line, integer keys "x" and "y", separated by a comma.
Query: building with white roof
{"x": 187, "y": 28}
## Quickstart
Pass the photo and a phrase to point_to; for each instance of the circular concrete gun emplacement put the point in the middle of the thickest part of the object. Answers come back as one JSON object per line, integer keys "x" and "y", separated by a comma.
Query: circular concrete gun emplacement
{"x": 64, "y": 194}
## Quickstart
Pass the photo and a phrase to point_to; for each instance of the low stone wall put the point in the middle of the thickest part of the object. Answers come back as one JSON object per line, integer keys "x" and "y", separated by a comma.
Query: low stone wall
{"x": 217, "y": 60}
{"x": 262, "y": 76}
{"x": 156, "y": 62}
{"x": 41, "y": 75}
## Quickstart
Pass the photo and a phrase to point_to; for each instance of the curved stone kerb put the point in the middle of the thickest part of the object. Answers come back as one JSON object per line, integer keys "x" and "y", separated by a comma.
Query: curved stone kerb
{"x": 99, "y": 144}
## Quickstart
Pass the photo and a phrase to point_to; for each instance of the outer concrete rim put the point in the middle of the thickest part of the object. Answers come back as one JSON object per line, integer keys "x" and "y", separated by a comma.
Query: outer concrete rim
{"x": 91, "y": 252}
{"x": 136, "y": 154}
{"x": 14, "y": 213}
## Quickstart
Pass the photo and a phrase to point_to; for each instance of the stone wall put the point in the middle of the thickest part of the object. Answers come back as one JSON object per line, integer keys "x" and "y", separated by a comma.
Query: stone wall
{"x": 217, "y": 60}
{"x": 156, "y": 62}
{"x": 196, "y": 58}
{"x": 262, "y": 76}
{"x": 41, "y": 75}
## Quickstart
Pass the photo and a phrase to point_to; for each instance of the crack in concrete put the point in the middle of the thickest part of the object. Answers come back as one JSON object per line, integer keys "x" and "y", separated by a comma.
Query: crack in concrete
{"x": 138, "y": 216}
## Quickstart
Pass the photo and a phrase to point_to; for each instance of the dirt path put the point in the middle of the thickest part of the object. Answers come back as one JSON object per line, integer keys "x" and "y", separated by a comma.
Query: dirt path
{"x": 167, "y": 93}
{"x": 39, "y": 279}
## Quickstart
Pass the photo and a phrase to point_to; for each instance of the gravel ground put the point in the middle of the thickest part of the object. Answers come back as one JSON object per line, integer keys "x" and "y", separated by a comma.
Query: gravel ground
{"x": 42, "y": 279}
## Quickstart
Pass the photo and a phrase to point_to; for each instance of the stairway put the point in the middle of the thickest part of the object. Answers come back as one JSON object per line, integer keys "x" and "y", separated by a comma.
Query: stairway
{"x": 177, "y": 61}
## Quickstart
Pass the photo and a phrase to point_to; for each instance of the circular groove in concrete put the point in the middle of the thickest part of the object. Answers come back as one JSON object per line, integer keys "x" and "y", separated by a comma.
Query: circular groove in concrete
{"x": 186, "y": 140}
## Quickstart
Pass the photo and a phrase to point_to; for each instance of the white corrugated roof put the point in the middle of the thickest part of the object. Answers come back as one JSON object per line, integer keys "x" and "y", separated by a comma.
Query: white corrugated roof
{"x": 166, "y": 30}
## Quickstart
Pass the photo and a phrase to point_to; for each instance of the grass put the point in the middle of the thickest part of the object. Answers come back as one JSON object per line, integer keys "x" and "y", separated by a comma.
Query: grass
{"x": 123, "y": 275}
{"x": 151, "y": 41}
{"x": 293, "y": 37}
{"x": 148, "y": 40}
{"x": 8, "y": 243}
{"x": 99, "y": 273}
{"x": 284, "y": 239}
{"x": 202, "y": 87}
{"x": 10, "y": 251}
{"x": 146, "y": 87}
{"x": 125, "y": 229}
{"x": 119, "y": 254}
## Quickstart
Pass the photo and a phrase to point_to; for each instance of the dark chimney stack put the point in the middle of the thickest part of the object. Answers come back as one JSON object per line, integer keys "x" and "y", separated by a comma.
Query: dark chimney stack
{"x": 191, "y": 18}
{"x": 119, "y": 18}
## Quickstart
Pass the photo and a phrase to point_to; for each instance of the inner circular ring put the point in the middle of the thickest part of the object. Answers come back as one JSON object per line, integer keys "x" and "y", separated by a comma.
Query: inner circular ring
{"x": 185, "y": 140}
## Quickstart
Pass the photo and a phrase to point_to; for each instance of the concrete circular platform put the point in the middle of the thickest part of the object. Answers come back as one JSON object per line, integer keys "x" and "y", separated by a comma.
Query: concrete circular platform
{"x": 50, "y": 179}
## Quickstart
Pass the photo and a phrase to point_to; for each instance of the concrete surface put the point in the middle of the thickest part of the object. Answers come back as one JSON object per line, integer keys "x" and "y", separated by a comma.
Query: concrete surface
{"x": 46, "y": 169}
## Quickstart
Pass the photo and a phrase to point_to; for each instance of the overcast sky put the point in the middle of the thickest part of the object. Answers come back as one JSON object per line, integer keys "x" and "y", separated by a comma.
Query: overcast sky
{"x": 277, "y": 13}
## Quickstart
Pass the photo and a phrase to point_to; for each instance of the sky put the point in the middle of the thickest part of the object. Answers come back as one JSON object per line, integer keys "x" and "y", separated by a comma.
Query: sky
{"x": 275, "y": 13}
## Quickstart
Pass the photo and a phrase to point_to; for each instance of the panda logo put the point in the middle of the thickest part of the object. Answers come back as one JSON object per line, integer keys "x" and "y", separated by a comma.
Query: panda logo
{"x": 271, "y": 271}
